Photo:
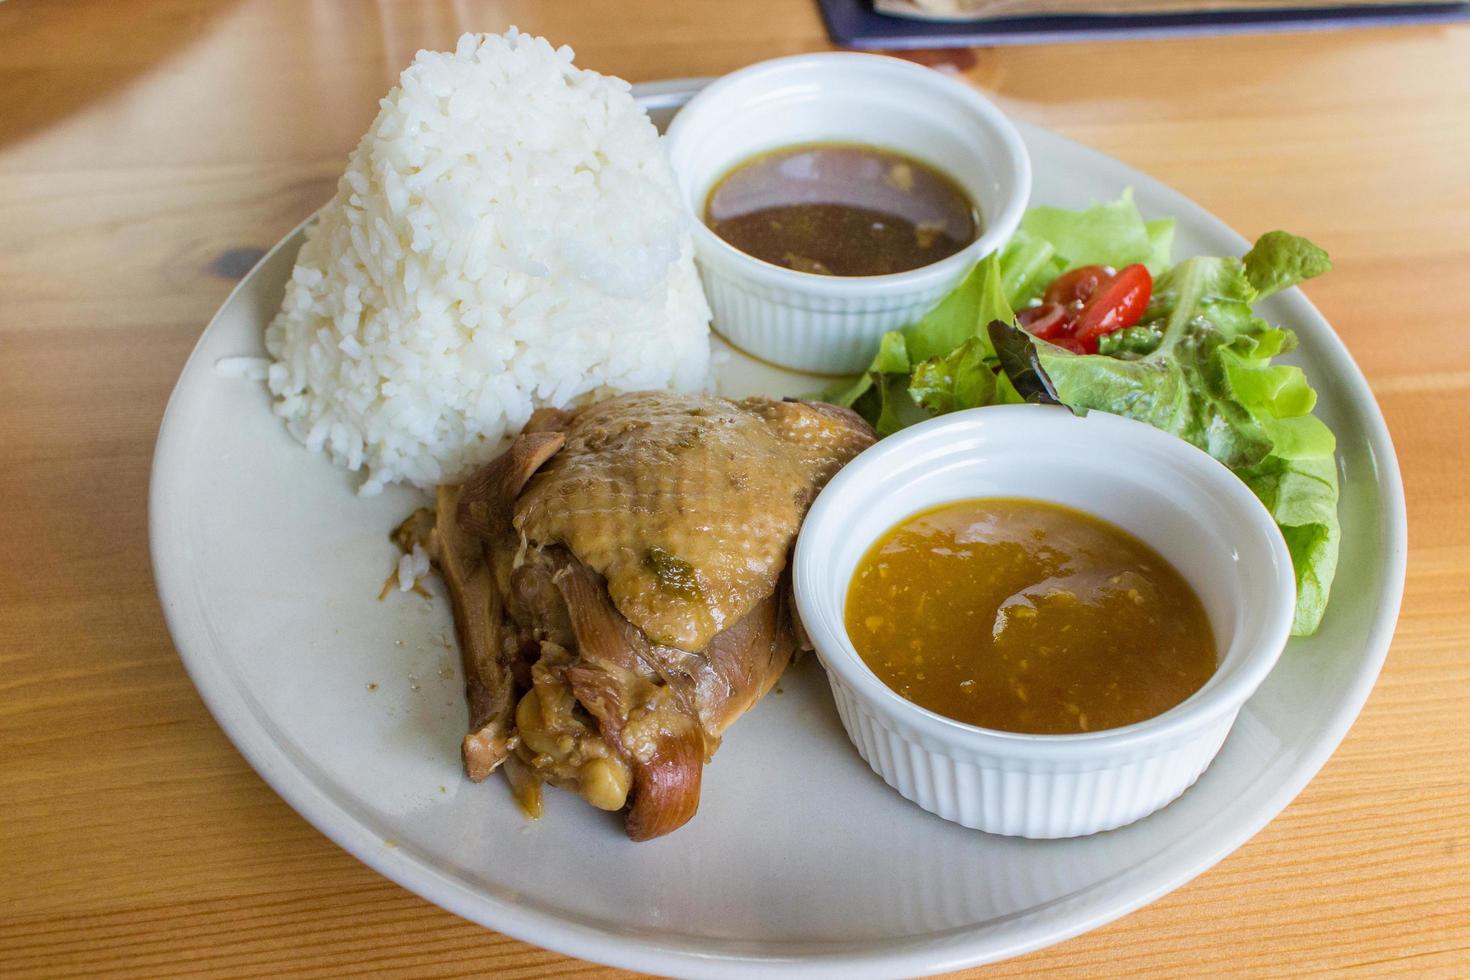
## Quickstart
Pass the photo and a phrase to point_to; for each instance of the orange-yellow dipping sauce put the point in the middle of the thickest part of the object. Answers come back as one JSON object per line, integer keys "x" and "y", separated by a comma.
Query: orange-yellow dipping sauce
{"x": 1026, "y": 616}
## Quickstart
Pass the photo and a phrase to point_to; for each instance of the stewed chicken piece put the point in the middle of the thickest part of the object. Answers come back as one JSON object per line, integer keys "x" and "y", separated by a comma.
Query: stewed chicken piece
{"x": 620, "y": 588}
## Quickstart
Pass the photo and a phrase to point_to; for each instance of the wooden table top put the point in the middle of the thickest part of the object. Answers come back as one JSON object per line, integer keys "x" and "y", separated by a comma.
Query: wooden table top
{"x": 150, "y": 150}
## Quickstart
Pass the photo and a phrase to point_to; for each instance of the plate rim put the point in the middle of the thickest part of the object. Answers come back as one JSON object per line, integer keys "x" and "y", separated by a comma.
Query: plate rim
{"x": 931, "y": 953}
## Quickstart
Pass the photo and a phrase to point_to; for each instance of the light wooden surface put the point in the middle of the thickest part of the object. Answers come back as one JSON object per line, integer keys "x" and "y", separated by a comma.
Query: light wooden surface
{"x": 148, "y": 150}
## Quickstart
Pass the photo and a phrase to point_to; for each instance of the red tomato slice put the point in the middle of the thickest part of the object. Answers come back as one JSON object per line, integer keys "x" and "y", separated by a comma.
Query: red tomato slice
{"x": 1075, "y": 286}
{"x": 1046, "y": 321}
{"x": 1117, "y": 303}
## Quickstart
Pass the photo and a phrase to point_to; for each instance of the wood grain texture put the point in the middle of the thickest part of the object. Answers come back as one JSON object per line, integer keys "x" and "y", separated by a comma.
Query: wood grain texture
{"x": 147, "y": 149}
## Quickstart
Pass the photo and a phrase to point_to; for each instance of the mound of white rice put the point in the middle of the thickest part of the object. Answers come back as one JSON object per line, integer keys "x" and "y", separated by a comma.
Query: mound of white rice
{"x": 507, "y": 236}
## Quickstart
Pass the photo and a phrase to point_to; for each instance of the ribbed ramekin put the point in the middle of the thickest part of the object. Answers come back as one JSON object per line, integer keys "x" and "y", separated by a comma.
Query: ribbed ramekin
{"x": 832, "y": 324}
{"x": 1174, "y": 497}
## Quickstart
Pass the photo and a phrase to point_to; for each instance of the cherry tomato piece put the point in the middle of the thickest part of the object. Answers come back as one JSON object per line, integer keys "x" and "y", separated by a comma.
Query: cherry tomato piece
{"x": 1075, "y": 286}
{"x": 1047, "y": 321}
{"x": 1117, "y": 303}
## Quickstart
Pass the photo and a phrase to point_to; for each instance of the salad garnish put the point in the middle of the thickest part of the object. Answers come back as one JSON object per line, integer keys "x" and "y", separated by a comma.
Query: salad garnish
{"x": 1093, "y": 314}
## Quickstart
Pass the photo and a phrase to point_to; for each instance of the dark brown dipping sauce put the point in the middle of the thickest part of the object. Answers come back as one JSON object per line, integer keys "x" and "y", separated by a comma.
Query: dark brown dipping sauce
{"x": 1026, "y": 616}
{"x": 841, "y": 209}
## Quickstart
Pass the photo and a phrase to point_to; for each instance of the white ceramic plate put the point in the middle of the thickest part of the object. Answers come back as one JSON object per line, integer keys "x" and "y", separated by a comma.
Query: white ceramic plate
{"x": 801, "y": 861}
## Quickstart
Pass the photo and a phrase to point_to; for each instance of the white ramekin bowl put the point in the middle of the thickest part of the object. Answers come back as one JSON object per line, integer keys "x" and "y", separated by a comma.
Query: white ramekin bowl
{"x": 1174, "y": 497}
{"x": 832, "y": 324}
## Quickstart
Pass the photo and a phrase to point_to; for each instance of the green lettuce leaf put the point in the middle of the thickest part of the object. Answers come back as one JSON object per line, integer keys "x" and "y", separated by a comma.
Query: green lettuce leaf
{"x": 1280, "y": 260}
{"x": 1161, "y": 244}
{"x": 1130, "y": 342}
{"x": 1028, "y": 264}
{"x": 959, "y": 317}
{"x": 1112, "y": 233}
{"x": 890, "y": 370}
{"x": 892, "y": 358}
{"x": 1301, "y": 495}
{"x": 963, "y": 378}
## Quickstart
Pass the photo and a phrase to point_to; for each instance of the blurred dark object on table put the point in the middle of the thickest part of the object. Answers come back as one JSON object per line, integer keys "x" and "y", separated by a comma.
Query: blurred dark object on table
{"x": 971, "y": 23}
